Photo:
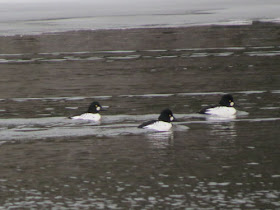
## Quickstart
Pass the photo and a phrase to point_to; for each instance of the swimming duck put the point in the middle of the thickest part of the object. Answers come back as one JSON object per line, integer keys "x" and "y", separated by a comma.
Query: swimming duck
{"x": 162, "y": 124}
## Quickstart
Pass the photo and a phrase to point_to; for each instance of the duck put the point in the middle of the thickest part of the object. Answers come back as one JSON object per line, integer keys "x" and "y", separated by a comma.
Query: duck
{"x": 162, "y": 124}
{"x": 225, "y": 108}
{"x": 92, "y": 113}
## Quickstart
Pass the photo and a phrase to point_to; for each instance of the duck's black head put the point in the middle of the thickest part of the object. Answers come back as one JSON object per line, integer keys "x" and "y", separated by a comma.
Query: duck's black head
{"x": 227, "y": 100}
{"x": 95, "y": 107}
{"x": 166, "y": 116}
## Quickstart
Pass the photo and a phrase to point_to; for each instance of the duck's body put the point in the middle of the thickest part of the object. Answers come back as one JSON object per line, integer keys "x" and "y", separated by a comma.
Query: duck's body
{"x": 156, "y": 125}
{"x": 88, "y": 116}
{"x": 223, "y": 109}
{"x": 162, "y": 124}
{"x": 220, "y": 111}
{"x": 92, "y": 114}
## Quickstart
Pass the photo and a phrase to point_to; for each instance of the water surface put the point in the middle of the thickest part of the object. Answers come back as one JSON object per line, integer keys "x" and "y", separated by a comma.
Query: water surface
{"x": 50, "y": 161}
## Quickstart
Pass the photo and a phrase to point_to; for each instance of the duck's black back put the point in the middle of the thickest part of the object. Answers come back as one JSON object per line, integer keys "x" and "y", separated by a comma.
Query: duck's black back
{"x": 146, "y": 123}
{"x": 203, "y": 111}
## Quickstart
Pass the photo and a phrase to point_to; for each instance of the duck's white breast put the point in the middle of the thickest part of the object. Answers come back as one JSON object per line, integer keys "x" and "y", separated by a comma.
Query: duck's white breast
{"x": 222, "y": 111}
{"x": 88, "y": 116}
{"x": 159, "y": 126}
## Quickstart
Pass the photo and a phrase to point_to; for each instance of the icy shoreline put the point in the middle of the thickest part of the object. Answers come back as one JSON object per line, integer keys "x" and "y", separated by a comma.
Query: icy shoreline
{"x": 36, "y": 17}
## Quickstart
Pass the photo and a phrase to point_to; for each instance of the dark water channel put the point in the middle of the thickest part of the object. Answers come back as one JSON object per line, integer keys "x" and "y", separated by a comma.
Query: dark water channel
{"x": 49, "y": 161}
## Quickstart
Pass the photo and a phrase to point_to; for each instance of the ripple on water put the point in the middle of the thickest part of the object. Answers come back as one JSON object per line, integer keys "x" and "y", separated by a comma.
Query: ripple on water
{"x": 262, "y": 51}
{"x": 111, "y": 125}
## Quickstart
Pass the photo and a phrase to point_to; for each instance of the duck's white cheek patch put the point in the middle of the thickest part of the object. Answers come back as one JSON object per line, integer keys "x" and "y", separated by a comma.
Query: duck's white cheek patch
{"x": 171, "y": 118}
{"x": 98, "y": 108}
{"x": 231, "y": 103}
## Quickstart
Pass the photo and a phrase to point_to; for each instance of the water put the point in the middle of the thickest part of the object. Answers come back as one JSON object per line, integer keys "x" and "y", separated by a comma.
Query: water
{"x": 50, "y": 161}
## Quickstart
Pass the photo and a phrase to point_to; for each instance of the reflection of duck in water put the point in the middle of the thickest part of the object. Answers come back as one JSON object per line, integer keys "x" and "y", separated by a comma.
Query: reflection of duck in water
{"x": 160, "y": 140}
{"x": 225, "y": 129}
{"x": 223, "y": 109}
{"x": 92, "y": 114}
{"x": 162, "y": 124}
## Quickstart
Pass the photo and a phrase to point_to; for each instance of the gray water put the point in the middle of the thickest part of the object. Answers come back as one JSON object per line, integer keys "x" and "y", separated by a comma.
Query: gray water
{"x": 49, "y": 161}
